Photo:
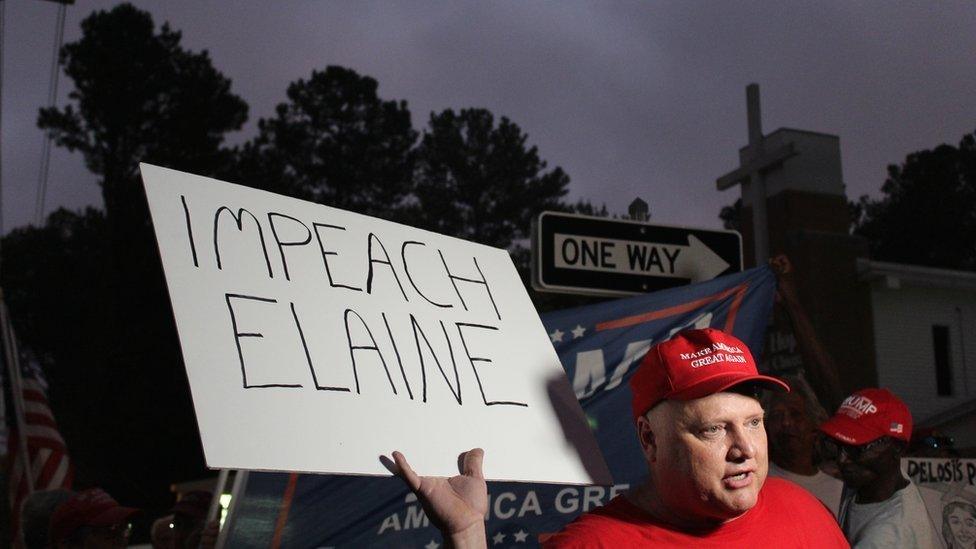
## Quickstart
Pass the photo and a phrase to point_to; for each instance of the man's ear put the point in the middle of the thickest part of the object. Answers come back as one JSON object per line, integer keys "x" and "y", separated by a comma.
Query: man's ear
{"x": 648, "y": 441}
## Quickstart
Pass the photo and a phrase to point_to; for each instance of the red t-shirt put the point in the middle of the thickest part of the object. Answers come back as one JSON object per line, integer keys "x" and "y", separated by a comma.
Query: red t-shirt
{"x": 785, "y": 515}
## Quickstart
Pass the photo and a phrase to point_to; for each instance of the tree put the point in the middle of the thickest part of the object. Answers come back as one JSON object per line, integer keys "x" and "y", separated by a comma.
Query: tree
{"x": 480, "y": 181}
{"x": 139, "y": 96}
{"x": 731, "y": 216}
{"x": 63, "y": 320}
{"x": 87, "y": 290}
{"x": 587, "y": 208}
{"x": 335, "y": 142}
{"x": 927, "y": 214}
{"x": 46, "y": 301}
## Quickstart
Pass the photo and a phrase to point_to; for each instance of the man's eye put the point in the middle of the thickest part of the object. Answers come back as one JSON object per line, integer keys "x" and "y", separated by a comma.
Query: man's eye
{"x": 712, "y": 429}
{"x": 756, "y": 422}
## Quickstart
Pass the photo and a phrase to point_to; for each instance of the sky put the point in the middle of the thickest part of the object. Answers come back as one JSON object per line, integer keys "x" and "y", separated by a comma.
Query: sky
{"x": 631, "y": 99}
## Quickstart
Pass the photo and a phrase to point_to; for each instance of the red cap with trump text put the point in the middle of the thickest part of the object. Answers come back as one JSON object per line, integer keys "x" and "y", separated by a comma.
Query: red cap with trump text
{"x": 868, "y": 415}
{"x": 694, "y": 364}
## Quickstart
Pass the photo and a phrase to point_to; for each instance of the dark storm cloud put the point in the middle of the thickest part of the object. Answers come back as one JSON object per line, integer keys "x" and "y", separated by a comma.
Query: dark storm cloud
{"x": 629, "y": 98}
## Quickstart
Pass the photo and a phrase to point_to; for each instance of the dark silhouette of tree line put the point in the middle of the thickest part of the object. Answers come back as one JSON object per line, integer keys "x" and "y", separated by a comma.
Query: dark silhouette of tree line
{"x": 926, "y": 214}
{"x": 86, "y": 289}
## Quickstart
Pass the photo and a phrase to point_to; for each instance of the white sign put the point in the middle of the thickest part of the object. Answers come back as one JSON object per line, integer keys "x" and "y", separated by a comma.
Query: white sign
{"x": 589, "y": 255}
{"x": 317, "y": 340}
{"x": 696, "y": 261}
{"x": 948, "y": 488}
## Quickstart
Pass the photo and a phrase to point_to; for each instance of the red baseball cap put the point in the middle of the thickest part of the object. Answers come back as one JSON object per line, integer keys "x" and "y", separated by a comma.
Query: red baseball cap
{"x": 93, "y": 507}
{"x": 868, "y": 415}
{"x": 694, "y": 364}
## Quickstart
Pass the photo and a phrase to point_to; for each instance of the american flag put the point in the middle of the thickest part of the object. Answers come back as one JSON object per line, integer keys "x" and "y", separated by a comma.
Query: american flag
{"x": 47, "y": 466}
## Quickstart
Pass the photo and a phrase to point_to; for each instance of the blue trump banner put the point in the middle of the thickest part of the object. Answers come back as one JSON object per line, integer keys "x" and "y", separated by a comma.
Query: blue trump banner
{"x": 599, "y": 346}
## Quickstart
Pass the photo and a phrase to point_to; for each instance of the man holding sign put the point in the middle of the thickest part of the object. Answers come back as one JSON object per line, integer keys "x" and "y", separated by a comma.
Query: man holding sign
{"x": 304, "y": 327}
{"x": 701, "y": 430}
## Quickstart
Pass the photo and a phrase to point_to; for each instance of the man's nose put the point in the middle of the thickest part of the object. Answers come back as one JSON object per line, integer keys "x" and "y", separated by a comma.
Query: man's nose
{"x": 743, "y": 445}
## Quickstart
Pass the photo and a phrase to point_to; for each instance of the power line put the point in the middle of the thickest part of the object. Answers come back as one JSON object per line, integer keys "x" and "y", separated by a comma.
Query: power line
{"x": 52, "y": 98}
{"x": 3, "y": 6}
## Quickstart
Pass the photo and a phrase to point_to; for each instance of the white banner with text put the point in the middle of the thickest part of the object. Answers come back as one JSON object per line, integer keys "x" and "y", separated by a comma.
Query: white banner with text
{"x": 316, "y": 340}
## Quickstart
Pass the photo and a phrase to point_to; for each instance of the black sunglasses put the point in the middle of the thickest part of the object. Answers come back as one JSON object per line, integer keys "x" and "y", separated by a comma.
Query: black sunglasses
{"x": 832, "y": 449}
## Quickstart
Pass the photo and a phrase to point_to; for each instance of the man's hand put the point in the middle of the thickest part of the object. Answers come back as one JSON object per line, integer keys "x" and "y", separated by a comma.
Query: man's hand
{"x": 781, "y": 265}
{"x": 785, "y": 283}
{"x": 456, "y": 505}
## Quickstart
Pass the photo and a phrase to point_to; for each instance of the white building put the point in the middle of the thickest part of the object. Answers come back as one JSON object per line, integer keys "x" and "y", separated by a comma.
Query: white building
{"x": 924, "y": 323}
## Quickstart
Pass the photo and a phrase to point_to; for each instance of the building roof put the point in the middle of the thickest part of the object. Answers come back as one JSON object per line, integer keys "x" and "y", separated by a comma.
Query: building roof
{"x": 952, "y": 414}
{"x": 894, "y": 275}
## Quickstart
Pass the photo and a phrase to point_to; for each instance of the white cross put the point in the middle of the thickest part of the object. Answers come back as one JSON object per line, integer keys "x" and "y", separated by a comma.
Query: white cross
{"x": 757, "y": 161}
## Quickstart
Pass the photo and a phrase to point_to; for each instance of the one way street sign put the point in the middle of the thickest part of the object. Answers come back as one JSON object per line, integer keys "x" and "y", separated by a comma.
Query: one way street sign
{"x": 598, "y": 256}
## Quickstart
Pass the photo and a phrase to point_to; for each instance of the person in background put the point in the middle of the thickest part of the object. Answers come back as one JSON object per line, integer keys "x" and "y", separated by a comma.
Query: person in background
{"x": 959, "y": 525}
{"x": 161, "y": 533}
{"x": 36, "y": 516}
{"x": 792, "y": 418}
{"x": 791, "y": 424}
{"x": 186, "y": 525}
{"x": 880, "y": 507}
{"x": 189, "y": 518}
{"x": 91, "y": 520}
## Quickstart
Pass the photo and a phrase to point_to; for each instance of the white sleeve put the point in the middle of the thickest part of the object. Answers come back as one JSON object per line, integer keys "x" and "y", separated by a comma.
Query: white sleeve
{"x": 887, "y": 535}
